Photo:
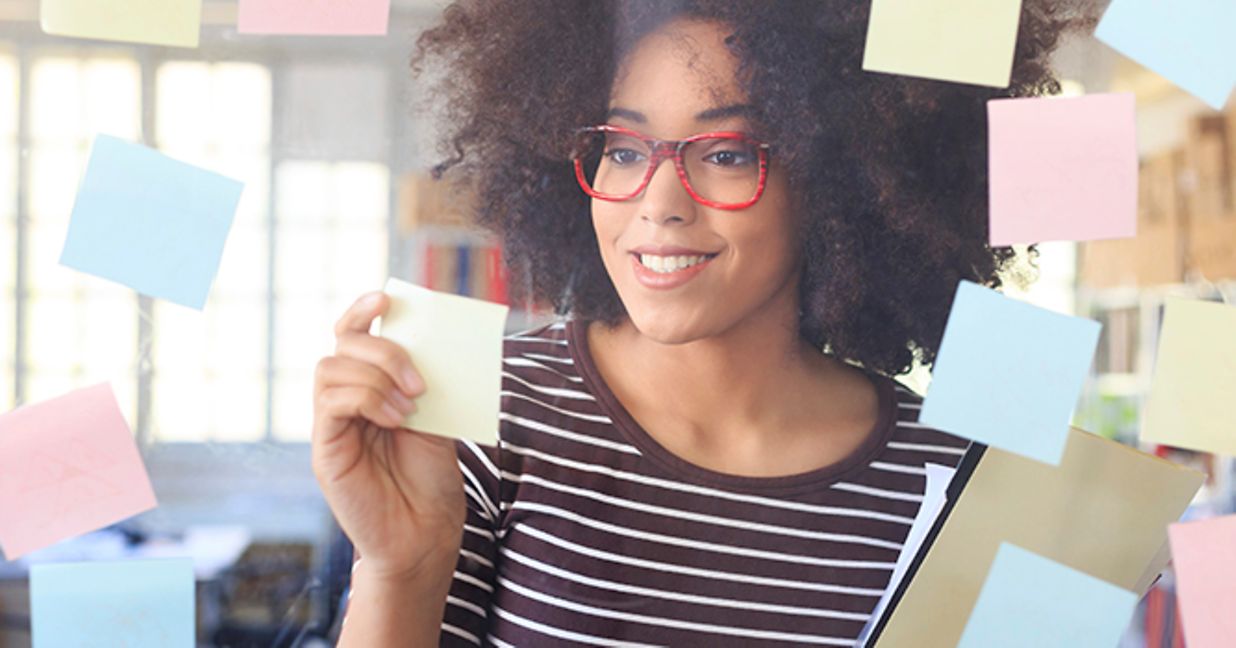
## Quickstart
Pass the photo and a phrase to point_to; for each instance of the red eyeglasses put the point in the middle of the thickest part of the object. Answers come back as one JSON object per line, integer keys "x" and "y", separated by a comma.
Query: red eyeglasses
{"x": 725, "y": 170}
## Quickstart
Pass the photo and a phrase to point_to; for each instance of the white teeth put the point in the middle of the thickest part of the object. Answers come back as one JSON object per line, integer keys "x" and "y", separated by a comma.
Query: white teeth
{"x": 665, "y": 264}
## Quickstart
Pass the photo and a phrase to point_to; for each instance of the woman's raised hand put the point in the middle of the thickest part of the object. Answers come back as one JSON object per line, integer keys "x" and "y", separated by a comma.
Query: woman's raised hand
{"x": 397, "y": 493}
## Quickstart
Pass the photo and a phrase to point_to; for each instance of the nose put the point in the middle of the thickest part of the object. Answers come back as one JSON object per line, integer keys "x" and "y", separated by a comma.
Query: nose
{"x": 665, "y": 200}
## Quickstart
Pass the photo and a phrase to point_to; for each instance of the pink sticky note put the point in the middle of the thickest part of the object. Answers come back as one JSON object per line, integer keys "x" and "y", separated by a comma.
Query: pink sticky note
{"x": 314, "y": 17}
{"x": 1062, "y": 169}
{"x": 1204, "y": 556}
{"x": 67, "y": 466}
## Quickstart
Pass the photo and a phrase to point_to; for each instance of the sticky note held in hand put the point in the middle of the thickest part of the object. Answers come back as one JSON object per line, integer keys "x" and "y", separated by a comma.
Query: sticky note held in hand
{"x": 133, "y": 603}
{"x": 68, "y": 466}
{"x": 1062, "y": 169}
{"x": 154, "y": 224}
{"x": 1188, "y": 405}
{"x": 1008, "y": 373}
{"x": 156, "y": 22}
{"x": 456, "y": 345}
{"x": 964, "y": 41}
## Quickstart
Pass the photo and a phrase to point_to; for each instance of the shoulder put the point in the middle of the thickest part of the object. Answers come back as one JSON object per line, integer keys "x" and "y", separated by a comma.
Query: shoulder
{"x": 541, "y": 355}
{"x": 542, "y": 367}
{"x": 549, "y": 339}
{"x": 912, "y": 442}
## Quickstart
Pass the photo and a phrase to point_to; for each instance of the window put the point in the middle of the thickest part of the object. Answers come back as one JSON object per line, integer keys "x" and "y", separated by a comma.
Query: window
{"x": 9, "y": 93}
{"x": 299, "y": 251}
{"x": 331, "y": 247}
{"x": 209, "y": 367}
{"x": 79, "y": 329}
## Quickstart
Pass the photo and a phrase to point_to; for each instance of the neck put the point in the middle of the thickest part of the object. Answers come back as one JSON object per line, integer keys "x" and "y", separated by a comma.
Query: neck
{"x": 755, "y": 374}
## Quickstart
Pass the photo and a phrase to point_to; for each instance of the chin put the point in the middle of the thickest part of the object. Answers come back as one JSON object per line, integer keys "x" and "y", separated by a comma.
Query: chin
{"x": 673, "y": 326}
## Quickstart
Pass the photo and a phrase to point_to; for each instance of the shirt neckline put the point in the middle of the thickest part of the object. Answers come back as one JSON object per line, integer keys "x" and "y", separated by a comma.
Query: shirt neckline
{"x": 856, "y": 461}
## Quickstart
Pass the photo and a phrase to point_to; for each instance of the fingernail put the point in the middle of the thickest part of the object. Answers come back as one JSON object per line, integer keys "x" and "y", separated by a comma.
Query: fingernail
{"x": 403, "y": 403}
{"x": 411, "y": 382}
{"x": 371, "y": 300}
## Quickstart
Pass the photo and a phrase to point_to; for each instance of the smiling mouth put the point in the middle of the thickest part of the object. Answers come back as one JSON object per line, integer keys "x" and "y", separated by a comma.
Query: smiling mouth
{"x": 671, "y": 263}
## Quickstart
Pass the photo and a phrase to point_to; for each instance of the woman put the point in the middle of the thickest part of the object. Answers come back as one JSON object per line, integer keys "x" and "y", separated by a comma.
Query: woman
{"x": 680, "y": 463}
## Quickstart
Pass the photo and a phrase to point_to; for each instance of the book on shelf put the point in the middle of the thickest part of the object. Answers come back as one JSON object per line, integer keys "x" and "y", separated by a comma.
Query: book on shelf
{"x": 468, "y": 269}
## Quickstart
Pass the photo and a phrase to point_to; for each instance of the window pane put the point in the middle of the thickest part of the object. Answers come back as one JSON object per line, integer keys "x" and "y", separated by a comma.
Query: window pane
{"x": 80, "y": 330}
{"x": 189, "y": 406}
{"x": 331, "y": 246}
{"x": 209, "y": 367}
{"x": 71, "y": 99}
{"x": 9, "y": 93}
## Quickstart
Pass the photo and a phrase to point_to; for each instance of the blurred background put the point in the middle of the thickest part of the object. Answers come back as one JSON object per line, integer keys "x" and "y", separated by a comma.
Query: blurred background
{"x": 324, "y": 134}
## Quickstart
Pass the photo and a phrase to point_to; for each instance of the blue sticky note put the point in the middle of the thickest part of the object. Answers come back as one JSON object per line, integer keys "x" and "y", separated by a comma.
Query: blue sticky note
{"x": 1029, "y": 601}
{"x": 134, "y": 603}
{"x": 1189, "y": 42}
{"x": 1008, "y": 374}
{"x": 150, "y": 222}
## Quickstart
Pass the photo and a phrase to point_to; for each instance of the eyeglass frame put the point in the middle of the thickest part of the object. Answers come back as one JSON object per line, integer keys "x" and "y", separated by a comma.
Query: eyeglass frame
{"x": 672, "y": 149}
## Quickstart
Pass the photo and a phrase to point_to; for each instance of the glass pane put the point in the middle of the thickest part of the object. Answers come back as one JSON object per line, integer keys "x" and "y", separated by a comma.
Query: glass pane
{"x": 44, "y": 385}
{"x": 218, "y": 347}
{"x": 361, "y": 193}
{"x": 243, "y": 104}
{"x": 56, "y": 101}
{"x": 9, "y": 97}
{"x": 113, "y": 92}
{"x": 93, "y": 331}
{"x": 209, "y": 380}
{"x": 183, "y": 97}
{"x": 293, "y": 406}
{"x": 331, "y": 246}
{"x": 304, "y": 334}
{"x": 55, "y": 169}
{"x": 226, "y": 104}
{"x": 9, "y": 93}
{"x": 303, "y": 192}
{"x": 187, "y": 406}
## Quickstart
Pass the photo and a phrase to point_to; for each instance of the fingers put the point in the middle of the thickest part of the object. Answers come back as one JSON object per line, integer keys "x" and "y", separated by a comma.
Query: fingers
{"x": 385, "y": 355}
{"x": 354, "y": 401}
{"x": 360, "y": 315}
{"x": 342, "y": 371}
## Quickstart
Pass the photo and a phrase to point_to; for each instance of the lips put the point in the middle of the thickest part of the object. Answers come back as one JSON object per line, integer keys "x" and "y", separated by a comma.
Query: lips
{"x": 666, "y": 267}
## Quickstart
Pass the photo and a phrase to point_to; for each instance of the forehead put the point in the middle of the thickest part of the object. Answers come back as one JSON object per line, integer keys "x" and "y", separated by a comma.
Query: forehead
{"x": 676, "y": 72}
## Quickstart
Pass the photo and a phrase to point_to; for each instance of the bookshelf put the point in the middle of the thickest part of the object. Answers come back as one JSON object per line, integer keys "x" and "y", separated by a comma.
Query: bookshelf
{"x": 439, "y": 247}
{"x": 1185, "y": 246}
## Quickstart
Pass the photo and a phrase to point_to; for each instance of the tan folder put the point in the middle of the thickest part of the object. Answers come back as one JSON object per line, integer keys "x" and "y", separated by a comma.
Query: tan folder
{"x": 1104, "y": 511}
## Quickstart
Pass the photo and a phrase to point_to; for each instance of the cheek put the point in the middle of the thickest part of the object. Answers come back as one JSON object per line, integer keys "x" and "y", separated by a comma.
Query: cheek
{"x": 608, "y": 223}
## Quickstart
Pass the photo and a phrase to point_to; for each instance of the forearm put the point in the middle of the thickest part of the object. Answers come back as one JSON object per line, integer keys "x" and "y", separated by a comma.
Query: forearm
{"x": 406, "y": 612}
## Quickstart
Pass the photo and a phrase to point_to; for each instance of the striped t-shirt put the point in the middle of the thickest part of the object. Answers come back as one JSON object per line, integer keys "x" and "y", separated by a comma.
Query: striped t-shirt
{"x": 583, "y": 530}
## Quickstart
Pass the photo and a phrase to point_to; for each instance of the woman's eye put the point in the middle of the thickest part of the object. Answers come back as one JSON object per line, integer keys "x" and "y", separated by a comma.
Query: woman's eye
{"x": 623, "y": 156}
{"x": 729, "y": 158}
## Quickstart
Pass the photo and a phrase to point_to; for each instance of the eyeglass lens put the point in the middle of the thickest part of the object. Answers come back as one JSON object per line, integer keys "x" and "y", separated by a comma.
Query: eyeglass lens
{"x": 721, "y": 170}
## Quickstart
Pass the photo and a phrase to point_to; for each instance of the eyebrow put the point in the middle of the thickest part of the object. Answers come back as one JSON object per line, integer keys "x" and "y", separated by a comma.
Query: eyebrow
{"x": 712, "y": 114}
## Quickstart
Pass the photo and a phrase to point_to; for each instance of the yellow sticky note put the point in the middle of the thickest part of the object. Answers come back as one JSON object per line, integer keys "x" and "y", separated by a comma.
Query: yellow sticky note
{"x": 966, "y": 41}
{"x": 456, "y": 345}
{"x": 1103, "y": 511}
{"x": 1194, "y": 378}
{"x": 157, "y": 22}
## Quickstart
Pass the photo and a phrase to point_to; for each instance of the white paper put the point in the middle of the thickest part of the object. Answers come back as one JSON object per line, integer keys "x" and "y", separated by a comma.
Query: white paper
{"x": 938, "y": 479}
